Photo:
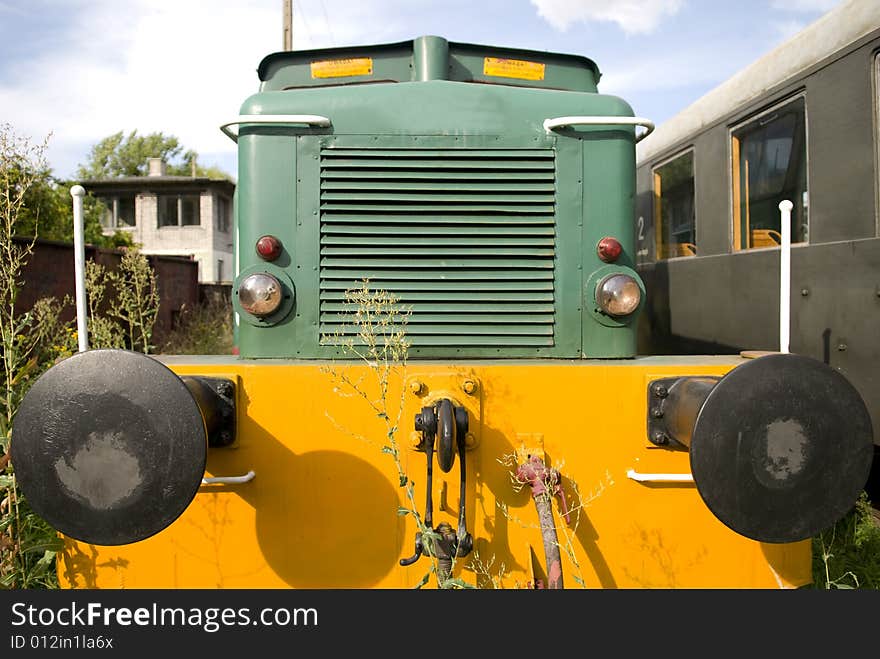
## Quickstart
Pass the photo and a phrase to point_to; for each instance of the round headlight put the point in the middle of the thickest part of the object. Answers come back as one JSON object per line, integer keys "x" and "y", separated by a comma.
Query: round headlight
{"x": 260, "y": 294}
{"x": 618, "y": 295}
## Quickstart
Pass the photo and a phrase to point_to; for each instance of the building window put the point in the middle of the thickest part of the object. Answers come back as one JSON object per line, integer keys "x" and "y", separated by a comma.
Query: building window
{"x": 119, "y": 213}
{"x": 219, "y": 270}
{"x": 168, "y": 211}
{"x": 178, "y": 210}
{"x": 189, "y": 211}
{"x": 770, "y": 165}
{"x": 223, "y": 214}
{"x": 675, "y": 227}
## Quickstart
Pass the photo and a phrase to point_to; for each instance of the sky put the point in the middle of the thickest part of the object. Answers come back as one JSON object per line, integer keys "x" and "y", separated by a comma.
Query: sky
{"x": 76, "y": 71}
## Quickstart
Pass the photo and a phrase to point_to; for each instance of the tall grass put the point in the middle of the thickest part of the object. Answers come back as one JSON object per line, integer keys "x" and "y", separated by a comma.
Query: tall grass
{"x": 32, "y": 340}
{"x": 205, "y": 329}
{"x": 847, "y": 555}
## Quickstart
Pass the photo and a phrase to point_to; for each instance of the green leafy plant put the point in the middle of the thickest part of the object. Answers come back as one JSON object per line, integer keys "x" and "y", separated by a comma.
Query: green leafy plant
{"x": 32, "y": 340}
{"x": 103, "y": 331}
{"x": 373, "y": 334}
{"x": 127, "y": 318}
{"x": 27, "y": 547}
{"x": 847, "y": 555}
{"x": 488, "y": 574}
{"x": 137, "y": 300}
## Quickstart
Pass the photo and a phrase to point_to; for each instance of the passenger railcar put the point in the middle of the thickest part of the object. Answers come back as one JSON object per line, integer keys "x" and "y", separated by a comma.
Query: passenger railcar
{"x": 799, "y": 124}
{"x": 491, "y": 191}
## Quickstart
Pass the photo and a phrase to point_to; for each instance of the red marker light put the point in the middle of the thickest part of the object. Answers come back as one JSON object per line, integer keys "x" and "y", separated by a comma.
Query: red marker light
{"x": 269, "y": 248}
{"x": 609, "y": 249}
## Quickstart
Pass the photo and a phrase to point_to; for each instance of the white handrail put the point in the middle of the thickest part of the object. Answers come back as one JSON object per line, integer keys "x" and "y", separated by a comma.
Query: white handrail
{"x": 659, "y": 478}
{"x": 79, "y": 267}
{"x": 229, "y": 480}
{"x": 274, "y": 119}
{"x": 560, "y": 122}
{"x": 785, "y": 207}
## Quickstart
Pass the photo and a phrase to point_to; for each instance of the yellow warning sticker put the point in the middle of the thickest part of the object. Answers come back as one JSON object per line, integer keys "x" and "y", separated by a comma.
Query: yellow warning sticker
{"x": 343, "y": 68}
{"x": 513, "y": 68}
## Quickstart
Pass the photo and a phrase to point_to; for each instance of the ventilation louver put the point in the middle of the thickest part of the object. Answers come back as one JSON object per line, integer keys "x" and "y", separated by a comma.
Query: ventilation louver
{"x": 464, "y": 237}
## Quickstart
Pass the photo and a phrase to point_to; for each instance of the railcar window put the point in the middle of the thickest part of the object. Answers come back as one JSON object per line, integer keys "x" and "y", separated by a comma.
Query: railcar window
{"x": 674, "y": 217}
{"x": 178, "y": 210}
{"x": 769, "y": 165}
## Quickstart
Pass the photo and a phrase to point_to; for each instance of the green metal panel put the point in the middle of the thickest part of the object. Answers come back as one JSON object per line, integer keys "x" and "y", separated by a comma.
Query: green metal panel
{"x": 609, "y": 197}
{"x": 453, "y": 196}
{"x": 426, "y": 58}
{"x": 561, "y": 72}
{"x": 450, "y": 282}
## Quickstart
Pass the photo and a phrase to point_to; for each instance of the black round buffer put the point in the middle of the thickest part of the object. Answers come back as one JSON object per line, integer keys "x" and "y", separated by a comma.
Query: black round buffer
{"x": 109, "y": 446}
{"x": 780, "y": 448}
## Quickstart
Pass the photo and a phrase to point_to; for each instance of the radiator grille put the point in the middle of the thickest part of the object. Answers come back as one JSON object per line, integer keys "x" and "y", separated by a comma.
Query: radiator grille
{"x": 465, "y": 238}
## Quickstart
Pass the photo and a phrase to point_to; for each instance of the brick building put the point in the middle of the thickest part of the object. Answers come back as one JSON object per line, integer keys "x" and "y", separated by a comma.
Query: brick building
{"x": 173, "y": 216}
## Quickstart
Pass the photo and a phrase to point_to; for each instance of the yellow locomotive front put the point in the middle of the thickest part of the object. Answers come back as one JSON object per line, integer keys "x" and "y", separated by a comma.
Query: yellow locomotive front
{"x": 436, "y": 380}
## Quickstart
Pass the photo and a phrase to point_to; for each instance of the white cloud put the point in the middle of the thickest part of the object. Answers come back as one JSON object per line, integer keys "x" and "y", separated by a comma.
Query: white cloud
{"x": 5, "y": 7}
{"x": 180, "y": 68}
{"x": 173, "y": 68}
{"x": 805, "y": 5}
{"x": 632, "y": 16}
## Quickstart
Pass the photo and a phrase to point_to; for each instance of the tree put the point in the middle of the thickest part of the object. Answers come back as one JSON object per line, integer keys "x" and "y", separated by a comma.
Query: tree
{"x": 46, "y": 207}
{"x": 126, "y": 155}
{"x": 43, "y": 205}
{"x": 47, "y": 212}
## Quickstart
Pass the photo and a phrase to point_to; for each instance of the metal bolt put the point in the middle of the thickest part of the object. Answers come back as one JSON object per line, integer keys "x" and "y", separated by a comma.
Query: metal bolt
{"x": 469, "y": 387}
{"x": 415, "y": 439}
{"x": 660, "y": 438}
{"x": 470, "y": 440}
{"x": 805, "y": 292}
{"x": 656, "y": 412}
{"x": 660, "y": 391}
{"x": 841, "y": 347}
{"x": 416, "y": 387}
